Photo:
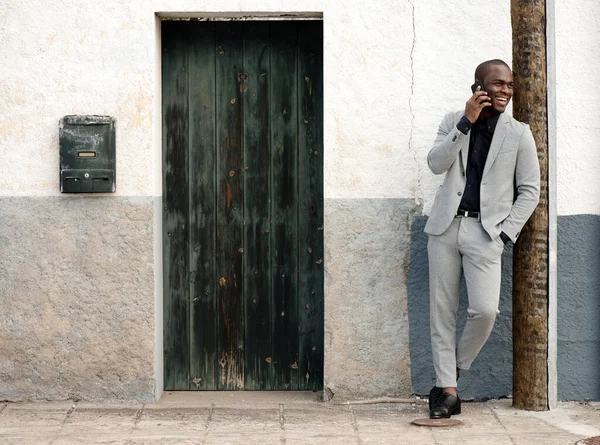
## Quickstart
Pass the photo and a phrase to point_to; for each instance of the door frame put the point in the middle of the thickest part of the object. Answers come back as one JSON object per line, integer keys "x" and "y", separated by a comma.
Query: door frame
{"x": 159, "y": 17}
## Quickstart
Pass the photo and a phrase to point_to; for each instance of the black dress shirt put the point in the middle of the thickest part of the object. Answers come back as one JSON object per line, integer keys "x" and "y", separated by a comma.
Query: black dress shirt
{"x": 482, "y": 132}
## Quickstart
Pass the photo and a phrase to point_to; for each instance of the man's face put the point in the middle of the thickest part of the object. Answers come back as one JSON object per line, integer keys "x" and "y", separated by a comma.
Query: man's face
{"x": 499, "y": 85}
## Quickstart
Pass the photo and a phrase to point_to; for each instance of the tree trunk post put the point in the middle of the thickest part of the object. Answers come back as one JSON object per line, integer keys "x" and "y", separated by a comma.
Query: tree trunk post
{"x": 530, "y": 253}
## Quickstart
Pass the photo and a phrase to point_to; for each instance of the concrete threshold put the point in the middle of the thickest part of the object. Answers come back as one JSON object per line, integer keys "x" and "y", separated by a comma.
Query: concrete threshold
{"x": 204, "y": 398}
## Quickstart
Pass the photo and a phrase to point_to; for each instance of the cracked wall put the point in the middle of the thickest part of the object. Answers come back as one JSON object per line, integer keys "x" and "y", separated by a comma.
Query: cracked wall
{"x": 578, "y": 200}
{"x": 70, "y": 314}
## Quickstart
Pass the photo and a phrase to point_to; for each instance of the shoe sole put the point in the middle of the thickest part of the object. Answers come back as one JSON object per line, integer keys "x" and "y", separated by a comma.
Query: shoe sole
{"x": 455, "y": 413}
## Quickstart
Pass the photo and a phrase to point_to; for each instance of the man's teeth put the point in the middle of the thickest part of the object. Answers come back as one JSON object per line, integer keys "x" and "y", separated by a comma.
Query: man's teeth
{"x": 502, "y": 99}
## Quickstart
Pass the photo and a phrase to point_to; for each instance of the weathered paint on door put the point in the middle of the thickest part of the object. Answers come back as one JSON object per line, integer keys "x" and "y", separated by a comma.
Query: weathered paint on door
{"x": 243, "y": 205}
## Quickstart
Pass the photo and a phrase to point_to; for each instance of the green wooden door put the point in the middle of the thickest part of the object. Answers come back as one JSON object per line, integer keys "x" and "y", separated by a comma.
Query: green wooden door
{"x": 242, "y": 116}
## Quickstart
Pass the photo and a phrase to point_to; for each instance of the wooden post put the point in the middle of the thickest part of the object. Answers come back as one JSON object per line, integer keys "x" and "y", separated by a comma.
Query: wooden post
{"x": 530, "y": 253}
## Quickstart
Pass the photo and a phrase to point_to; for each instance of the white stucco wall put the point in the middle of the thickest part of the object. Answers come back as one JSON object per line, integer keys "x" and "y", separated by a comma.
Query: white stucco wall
{"x": 391, "y": 69}
{"x": 577, "y": 95}
{"x": 449, "y": 46}
{"x": 74, "y": 58}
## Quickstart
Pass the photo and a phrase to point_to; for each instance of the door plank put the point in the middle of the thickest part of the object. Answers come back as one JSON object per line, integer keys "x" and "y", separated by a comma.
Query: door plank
{"x": 229, "y": 206}
{"x": 204, "y": 362}
{"x": 310, "y": 229}
{"x": 284, "y": 214}
{"x": 257, "y": 258}
{"x": 175, "y": 206}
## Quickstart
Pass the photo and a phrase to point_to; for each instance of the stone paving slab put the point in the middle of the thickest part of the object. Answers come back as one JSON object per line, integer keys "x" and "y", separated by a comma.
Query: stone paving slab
{"x": 286, "y": 418}
{"x": 26, "y": 441}
{"x": 109, "y": 419}
{"x": 545, "y": 439}
{"x": 478, "y": 440}
{"x": 163, "y": 419}
{"x": 257, "y": 419}
{"x": 390, "y": 423}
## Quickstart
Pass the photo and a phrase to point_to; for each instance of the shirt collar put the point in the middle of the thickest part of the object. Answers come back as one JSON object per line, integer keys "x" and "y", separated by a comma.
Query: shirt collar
{"x": 489, "y": 124}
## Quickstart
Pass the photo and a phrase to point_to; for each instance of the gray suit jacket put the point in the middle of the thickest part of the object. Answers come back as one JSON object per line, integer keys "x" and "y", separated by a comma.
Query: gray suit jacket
{"x": 510, "y": 185}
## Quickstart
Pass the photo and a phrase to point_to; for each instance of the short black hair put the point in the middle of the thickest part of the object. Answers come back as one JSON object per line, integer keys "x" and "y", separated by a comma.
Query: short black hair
{"x": 483, "y": 69}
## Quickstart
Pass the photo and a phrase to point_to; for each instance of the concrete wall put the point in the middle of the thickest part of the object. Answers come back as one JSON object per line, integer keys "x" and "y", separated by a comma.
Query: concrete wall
{"x": 80, "y": 276}
{"x": 382, "y": 136}
{"x": 77, "y": 273}
{"x": 578, "y": 307}
{"x": 77, "y": 298}
{"x": 578, "y": 206}
{"x": 578, "y": 190}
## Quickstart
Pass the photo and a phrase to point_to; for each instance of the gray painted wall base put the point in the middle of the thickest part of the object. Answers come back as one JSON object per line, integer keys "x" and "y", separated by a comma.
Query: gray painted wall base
{"x": 76, "y": 298}
{"x": 367, "y": 242}
{"x": 578, "y": 318}
{"x": 578, "y": 359}
{"x": 77, "y": 303}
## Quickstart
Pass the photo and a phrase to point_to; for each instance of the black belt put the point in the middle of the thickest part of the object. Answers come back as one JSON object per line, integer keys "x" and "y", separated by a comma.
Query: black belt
{"x": 466, "y": 214}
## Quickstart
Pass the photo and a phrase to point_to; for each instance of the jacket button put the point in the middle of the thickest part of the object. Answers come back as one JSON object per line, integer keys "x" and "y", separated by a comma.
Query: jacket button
{"x": 459, "y": 193}
{"x": 454, "y": 138}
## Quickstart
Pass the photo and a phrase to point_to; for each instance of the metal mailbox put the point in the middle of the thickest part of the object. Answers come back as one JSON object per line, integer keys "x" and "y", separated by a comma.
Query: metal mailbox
{"x": 87, "y": 154}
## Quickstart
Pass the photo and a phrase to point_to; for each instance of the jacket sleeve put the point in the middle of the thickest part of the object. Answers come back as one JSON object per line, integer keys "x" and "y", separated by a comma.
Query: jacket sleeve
{"x": 527, "y": 183}
{"x": 446, "y": 148}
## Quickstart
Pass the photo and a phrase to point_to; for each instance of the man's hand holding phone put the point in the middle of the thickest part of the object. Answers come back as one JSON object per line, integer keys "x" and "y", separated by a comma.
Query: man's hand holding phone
{"x": 478, "y": 101}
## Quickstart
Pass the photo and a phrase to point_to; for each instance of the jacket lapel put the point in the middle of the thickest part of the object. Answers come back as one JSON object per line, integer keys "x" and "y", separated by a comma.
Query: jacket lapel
{"x": 464, "y": 152}
{"x": 497, "y": 140}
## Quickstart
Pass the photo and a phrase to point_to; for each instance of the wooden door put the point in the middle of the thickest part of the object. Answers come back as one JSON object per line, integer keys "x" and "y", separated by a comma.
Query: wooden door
{"x": 242, "y": 116}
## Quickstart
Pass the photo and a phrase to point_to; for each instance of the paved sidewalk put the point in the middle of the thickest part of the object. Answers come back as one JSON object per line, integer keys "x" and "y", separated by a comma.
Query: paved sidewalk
{"x": 285, "y": 418}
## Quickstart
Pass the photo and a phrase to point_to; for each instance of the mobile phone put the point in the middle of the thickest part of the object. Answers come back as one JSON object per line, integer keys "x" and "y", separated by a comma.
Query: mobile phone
{"x": 478, "y": 83}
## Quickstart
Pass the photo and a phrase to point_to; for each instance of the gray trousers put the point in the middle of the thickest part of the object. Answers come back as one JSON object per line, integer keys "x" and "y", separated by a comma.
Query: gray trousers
{"x": 465, "y": 247}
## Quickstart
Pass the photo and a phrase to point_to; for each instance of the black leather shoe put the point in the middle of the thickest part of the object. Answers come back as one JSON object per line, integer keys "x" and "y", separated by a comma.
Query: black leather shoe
{"x": 434, "y": 395}
{"x": 447, "y": 405}
{"x": 436, "y": 392}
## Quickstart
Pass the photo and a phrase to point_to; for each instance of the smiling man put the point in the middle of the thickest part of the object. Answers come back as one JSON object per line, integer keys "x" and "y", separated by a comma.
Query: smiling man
{"x": 491, "y": 188}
